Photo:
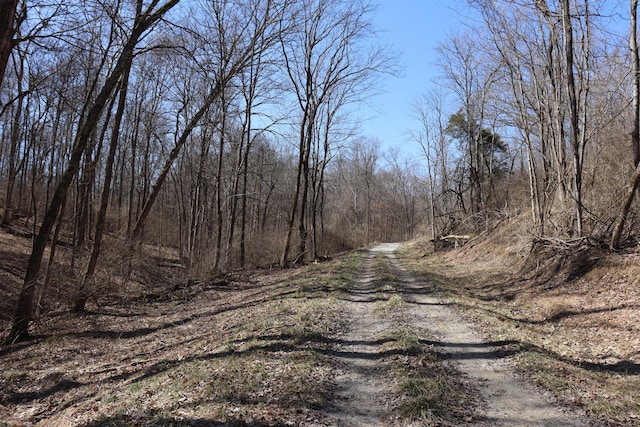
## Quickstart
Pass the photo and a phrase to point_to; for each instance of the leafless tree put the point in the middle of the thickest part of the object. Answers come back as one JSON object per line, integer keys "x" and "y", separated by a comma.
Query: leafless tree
{"x": 471, "y": 77}
{"x": 325, "y": 58}
{"x": 559, "y": 99}
{"x": 256, "y": 23}
{"x": 14, "y": 140}
{"x": 429, "y": 109}
{"x": 365, "y": 161}
{"x": 9, "y": 23}
{"x": 635, "y": 133}
{"x": 144, "y": 20}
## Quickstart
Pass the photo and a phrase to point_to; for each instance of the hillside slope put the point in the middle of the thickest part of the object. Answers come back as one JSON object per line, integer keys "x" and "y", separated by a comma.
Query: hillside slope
{"x": 573, "y": 308}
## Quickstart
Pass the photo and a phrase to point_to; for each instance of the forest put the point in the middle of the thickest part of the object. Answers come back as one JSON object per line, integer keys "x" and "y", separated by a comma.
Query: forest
{"x": 223, "y": 131}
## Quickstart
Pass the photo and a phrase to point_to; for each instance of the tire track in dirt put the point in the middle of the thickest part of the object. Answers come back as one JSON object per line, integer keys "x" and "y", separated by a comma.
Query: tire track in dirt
{"x": 366, "y": 393}
{"x": 362, "y": 387}
{"x": 509, "y": 401}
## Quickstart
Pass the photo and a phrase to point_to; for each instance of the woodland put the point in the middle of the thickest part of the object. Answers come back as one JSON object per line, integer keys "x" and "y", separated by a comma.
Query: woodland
{"x": 223, "y": 131}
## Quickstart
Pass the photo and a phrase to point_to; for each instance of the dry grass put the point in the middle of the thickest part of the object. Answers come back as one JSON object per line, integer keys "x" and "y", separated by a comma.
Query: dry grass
{"x": 247, "y": 348}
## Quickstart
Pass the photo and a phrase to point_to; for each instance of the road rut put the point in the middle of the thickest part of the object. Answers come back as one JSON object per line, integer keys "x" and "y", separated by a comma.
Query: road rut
{"x": 365, "y": 390}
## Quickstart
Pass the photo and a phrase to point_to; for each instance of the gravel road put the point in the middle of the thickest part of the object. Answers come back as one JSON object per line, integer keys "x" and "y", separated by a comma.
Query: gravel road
{"x": 365, "y": 390}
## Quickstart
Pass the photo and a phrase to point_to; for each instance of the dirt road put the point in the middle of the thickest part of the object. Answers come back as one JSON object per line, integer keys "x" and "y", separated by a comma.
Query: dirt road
{"x": 364, "y": 385}
{"x": 358, "y": 341}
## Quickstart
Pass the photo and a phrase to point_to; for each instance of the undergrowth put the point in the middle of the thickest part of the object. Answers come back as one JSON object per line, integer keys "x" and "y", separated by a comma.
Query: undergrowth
{"x": 243, "y": 352}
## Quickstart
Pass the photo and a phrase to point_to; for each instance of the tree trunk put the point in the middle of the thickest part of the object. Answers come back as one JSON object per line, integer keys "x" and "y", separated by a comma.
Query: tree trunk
{"x": 52, "y": 255}
{"x": 284, "y": 258}
{"x": 635, "y": 134}
{"x": 13, "y": 148}
{"x": 635, "y": 74}
{"x": 24, "y": 308}
{"x": 624, "y": 210}
{"x": 233, "y": 211}
{"x": 157, "y": 186}
{"x": 245, "y": 176}
{"x": 302, "y": 217}
{"x": 132, "y": 177}
{"x": 81, "y": 297}
{"x": 219, "y": 186}
{"x": 8, "y": 29}
{"x": 574, "y": 122}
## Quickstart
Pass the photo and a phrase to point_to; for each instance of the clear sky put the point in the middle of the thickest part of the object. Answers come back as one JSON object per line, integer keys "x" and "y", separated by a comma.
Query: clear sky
{"x": 414, "y": 28}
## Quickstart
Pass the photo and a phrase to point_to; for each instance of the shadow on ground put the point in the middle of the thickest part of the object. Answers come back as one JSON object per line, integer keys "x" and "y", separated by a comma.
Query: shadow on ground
{"x": 151, "y": 420}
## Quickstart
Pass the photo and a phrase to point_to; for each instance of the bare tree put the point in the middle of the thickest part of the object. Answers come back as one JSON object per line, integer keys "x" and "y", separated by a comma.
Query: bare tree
{"x": 324, "y": 59}
{"x": 574, "y": 128}
{"x": 81, "y": 297}
{"x": 257, "y": 96}
{"x": 433, "y": 143}
{"x": 508, "y": 29}
{"x": 364, "y": 155}
{"x": 402, "y": 183}
{"x": 248, "y": 30}
{"x": 559, "y": 99}
{"x": 144, "y": 20}
{"x": 635, "y": 74}
{"x": 14, "y": 141}
{"x": 635, "y": 133}
{"x": 251, "y": 79}
{"x": 471, "y": 77}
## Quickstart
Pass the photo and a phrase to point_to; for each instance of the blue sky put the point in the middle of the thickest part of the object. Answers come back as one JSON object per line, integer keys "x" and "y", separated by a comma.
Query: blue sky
{"x": 414, "y": 28}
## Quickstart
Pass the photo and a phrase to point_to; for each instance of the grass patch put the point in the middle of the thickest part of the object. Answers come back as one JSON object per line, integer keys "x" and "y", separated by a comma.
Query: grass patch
{"x": 428, "y": 398}
{"x": 273, "y": 374}
{"x": 603, "y": 395}
{"x": 265, "y": 365}
{"x": 430, "y": 390}
{"x": 389, "y": 306}
{"x": 543, "y": 372}
{"x": 328, "y": 279}
{"x": 403, "y": 339}
{"x": 395, "y": 300}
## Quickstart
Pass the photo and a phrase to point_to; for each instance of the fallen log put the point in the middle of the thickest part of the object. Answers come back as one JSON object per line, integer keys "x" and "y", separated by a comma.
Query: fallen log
{"x": 456, "y": 238}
